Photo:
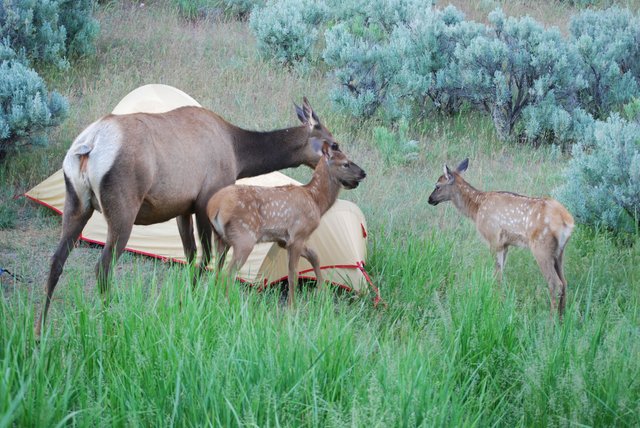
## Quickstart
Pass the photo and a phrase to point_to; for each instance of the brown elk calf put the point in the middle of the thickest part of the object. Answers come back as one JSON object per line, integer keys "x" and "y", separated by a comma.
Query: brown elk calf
{"x": 245, "y": 215}
{"x": 505, "y": 219}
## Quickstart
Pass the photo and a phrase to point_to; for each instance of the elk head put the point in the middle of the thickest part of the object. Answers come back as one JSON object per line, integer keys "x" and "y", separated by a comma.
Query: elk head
{"x": 347, "y": 173}
{"x": 318, "y": 133}
{"x": 446, "y": 184}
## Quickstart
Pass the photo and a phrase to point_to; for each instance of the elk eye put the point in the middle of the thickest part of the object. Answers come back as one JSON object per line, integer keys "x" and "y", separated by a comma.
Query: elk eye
{"x": 334, "y": 146}
{"x": 346, "y": 165}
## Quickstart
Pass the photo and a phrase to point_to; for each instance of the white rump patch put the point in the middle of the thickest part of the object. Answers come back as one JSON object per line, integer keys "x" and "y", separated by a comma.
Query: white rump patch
{"x": 101, "y": 142}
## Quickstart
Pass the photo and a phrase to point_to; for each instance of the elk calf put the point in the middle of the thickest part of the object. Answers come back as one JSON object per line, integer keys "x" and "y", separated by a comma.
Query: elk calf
{"x": 505, "y": 219}
{"x": 245, "y": 215}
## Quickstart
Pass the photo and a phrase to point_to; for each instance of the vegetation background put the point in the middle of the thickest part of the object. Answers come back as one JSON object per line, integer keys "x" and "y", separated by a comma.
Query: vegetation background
{"x": 452, "y": 347}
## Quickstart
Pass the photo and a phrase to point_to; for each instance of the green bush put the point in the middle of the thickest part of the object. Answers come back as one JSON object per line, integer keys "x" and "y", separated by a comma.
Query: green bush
{"x": 395, "y": 147}
{"x": 76, "y": 16}
{"x": 49, "y": 31}
{"x": 522, "y": 67}
{"x": 602, "y": 180}
{"x": 241, "y": 9}
{"x": 26, "y": 107}
{"x": 39, "y": 32}
{"x": 609, "y": 46}
{"x": 285, "y": 29}
{"x": 429, "y": 41}
{"x": 366, "y": 55}
{"x": 32, "y": 27}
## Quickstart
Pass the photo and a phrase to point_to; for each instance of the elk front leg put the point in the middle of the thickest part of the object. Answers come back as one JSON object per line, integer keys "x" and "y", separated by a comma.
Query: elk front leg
{"x": 294, "y": 253}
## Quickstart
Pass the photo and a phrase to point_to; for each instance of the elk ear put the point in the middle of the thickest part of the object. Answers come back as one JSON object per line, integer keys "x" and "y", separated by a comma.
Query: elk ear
{"x": 311, "y": 115}
{"x": 463, "y": 165}
{"x": 326, "y": 149}
{"x": 300, "y": 113}
{"x": 448, "y": 175}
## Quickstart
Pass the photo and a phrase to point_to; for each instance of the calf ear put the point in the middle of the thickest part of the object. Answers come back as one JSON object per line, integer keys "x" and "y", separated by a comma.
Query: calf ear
{"x": 326, "y": 149}
{"x": 463, "y": 165}
{"x": 448, "y": 175}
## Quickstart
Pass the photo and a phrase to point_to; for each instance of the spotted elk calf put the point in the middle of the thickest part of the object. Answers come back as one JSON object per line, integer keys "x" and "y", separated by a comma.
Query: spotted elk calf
{"x": 242, "y": 216}
{"x": 503, "y": 219}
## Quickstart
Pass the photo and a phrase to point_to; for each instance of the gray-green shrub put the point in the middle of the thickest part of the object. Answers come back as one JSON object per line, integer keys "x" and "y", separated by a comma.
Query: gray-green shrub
{"x": 429, "y": 41}
{"x": 26, "y": 107}
{"x": 365, "y": 54}
{"x": 49, "y": 31}
{"x": 602, "y": 180}
{"x": 285, "y": 30}
{"x": 609, "y": 45}
{"x": 32, "y": 26}
{"x": 521, "y": 67}
{"x": 82, "y": 29}
{"x": 365, "y": 67}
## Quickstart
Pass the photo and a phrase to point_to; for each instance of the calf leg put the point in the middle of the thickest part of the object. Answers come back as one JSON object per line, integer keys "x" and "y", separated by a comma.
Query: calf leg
{"x": 221, "y": 252}
{"x": 74, "y": 219}
{"x": 312, "y": 258}
{"x": 546, "y": 262}
{"x": 501, "y": 259}
{"x": 559, "y": 271}
{"x": 294, "y": 253}
{"x": 242, "y": 248}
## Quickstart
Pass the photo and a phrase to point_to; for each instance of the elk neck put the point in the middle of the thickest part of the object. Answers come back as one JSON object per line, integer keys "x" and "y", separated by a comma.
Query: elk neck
{"x": 323, "y": 188}
{"x": 467, "y": 199}
{"x": 262, "y": 152}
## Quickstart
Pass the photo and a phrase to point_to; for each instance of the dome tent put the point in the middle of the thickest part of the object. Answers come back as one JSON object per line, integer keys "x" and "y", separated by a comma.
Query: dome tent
{"x": 340, "y": 240}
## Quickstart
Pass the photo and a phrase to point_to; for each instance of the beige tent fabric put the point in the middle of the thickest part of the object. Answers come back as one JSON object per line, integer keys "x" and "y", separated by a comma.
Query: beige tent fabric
{"x": 340, "y": 240}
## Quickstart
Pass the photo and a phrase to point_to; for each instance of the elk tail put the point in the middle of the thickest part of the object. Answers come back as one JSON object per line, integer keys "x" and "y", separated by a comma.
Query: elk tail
{"x": 217, "y": 224}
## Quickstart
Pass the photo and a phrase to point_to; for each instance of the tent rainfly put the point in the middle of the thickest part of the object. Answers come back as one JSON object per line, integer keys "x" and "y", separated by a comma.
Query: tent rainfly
{"x": 340, "y": 240}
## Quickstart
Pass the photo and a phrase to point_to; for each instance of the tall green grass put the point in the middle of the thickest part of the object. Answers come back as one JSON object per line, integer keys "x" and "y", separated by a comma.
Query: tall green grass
{"x": 451, "y": 348}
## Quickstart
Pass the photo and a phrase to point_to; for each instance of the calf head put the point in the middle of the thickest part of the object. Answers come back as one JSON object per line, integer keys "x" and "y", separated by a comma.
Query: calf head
{"x": 446, "y": 184}
{"x": 347, "y": 173}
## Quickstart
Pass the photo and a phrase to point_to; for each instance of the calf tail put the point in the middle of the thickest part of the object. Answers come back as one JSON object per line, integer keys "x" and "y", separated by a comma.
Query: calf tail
{"x": 217, "y": 225}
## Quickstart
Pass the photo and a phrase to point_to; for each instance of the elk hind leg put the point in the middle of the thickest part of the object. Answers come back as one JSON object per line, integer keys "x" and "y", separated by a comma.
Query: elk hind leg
{"x": 119, "y": 225}
{"x": 74, "y": 219}
{"x": 558, "y": 265}
{"x": 185, "y": 228}
{"x": 205, "y": 232}
{"x": 312, "y": 258}
{"x": 501, "y": 259}
{"x": 547, "y": 263}
{"x": 242, "y": 247}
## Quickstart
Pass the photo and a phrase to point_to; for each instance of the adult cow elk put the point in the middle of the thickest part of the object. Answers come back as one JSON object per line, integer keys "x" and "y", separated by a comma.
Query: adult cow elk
{"x": 504, "y": 219}
{"x": 146, "y": 168}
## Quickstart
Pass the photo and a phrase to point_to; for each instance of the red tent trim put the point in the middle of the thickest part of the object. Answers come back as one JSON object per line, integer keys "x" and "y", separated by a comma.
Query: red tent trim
{"x": 359, "y": 265}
